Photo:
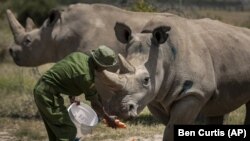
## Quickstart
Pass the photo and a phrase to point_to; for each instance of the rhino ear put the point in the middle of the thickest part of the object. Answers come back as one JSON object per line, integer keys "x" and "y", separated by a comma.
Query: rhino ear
{"x": 160, "y": 34}
{"x": 53, "y": 17}
{"x": 122, "y": 32}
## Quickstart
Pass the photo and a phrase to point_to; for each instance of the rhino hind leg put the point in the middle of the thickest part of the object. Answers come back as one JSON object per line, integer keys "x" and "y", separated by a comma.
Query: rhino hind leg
{"x": 205, "y": 120}
{"x": 215, "y": 120}
{"x": 247, "y": 118}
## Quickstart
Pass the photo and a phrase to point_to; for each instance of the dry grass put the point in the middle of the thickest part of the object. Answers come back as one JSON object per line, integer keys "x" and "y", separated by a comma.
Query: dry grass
{"x": 134, "y": 129}
{"x": 16, "y": 91}
{"x": 144, "y": 127}
{"x": 236, "y": 117}
{"x": 23, "y": 130}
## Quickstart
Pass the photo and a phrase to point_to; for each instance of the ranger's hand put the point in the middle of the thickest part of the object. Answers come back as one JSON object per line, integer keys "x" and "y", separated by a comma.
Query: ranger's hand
{"x": 110, "y": 121}
{"x": 73, "y": 99}
{"x": 118, "y": 123}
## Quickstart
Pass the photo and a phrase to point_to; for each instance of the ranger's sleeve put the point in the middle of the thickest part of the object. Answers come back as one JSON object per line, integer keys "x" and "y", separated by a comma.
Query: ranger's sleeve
{"x": 91, "y": 92}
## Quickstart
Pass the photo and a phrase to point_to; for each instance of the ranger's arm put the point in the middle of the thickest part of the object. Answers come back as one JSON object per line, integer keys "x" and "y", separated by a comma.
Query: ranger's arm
{"x": 96, "y": 104}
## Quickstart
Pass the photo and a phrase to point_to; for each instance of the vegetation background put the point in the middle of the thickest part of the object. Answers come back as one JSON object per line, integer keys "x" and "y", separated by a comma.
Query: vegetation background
{"x": 19, "y": 119}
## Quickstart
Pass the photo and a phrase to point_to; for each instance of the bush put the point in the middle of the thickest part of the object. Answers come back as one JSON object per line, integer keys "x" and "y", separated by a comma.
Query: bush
{"x": 36, "y": 9}
{"x": 142, "y": 6}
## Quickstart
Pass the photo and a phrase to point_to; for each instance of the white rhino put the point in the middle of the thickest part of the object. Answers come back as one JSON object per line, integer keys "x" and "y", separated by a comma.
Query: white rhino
{"x": 79, "y": 27}
{"x": 181, "y": 68}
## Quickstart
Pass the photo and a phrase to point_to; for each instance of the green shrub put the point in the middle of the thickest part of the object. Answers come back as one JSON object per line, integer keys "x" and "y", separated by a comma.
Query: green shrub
{"x": 36, "y": 9}
{"x": 143, "y": 6}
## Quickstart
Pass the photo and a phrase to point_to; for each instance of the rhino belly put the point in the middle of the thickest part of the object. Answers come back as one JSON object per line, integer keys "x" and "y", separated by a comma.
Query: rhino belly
{"x": 228, "y": 98}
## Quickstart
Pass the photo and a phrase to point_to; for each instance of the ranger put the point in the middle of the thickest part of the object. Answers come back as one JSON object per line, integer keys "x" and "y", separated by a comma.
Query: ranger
{"x": 71, "y": 76}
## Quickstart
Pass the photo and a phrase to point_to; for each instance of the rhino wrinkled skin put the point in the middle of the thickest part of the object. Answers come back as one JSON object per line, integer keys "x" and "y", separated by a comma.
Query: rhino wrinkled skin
{"x": 181, "y": 68}
{"x": 78, "y": 27}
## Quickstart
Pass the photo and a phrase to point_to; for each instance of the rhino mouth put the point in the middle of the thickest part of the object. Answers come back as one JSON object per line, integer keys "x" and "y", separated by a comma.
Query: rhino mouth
{"x": 127, "y": 115}
{"x": 15, "y": 57}
{"x": 129, "y": 111}
{"x": 126, "y": 112}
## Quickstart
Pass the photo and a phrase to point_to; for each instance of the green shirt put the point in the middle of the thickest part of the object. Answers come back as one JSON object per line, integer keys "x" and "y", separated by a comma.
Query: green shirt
{"x": 73, "y": 75}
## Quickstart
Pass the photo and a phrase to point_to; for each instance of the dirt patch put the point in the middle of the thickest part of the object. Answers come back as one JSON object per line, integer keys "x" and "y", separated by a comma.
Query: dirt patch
{"x": 154, "y": 138}
{"x": 137, "y": 138}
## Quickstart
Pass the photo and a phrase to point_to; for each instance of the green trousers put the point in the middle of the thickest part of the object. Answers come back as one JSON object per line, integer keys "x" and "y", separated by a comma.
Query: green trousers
{"x": 54, "y": 114}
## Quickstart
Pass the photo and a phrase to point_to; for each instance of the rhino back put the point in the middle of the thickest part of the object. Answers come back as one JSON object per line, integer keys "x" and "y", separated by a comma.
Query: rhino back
{"x": 94, "y": 23}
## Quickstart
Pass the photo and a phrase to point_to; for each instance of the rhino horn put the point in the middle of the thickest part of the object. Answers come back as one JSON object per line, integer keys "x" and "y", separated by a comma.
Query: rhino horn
{"x": 30, "y": 25}
{"x": 16, "y": 28}
{"x": 125, "y": 66}
{"x": 111, "y": 79}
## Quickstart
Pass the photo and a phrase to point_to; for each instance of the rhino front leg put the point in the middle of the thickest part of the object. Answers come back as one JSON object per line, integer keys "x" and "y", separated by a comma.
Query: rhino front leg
{"x": 159, "y": 113}
{"x": 184, "y": 111}
{"x": 247, "y": 118}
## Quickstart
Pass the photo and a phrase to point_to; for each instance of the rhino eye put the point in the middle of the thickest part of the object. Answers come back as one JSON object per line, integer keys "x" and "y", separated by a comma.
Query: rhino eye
{"x": 146, "y": 81}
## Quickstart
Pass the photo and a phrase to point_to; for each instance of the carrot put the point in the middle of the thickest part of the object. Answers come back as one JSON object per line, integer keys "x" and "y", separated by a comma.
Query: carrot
{"x": 118, "y": 123}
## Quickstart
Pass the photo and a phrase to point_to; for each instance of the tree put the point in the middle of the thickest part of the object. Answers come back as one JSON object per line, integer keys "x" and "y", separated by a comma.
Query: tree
{"x": 36, "y": 9}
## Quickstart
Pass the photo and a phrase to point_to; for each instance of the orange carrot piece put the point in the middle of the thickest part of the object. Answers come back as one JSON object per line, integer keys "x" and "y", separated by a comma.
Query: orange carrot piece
{"x": 118, "y": 123}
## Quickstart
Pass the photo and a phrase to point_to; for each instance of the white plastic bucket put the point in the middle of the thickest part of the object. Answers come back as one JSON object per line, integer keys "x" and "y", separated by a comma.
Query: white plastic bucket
{"x": 84, "y": 118}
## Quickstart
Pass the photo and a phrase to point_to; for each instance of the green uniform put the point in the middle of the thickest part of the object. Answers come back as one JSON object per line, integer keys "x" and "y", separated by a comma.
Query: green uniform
{"x": 71, "y": 76}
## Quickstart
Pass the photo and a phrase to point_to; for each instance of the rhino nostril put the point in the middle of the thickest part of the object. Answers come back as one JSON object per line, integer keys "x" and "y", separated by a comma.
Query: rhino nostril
{"x": 131, "y": 107}
{"x": 10, "y": 51}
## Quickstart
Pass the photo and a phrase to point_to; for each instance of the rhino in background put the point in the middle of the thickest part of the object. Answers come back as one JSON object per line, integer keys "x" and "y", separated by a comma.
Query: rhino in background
{"x": 181, "y": 68}
{"x": 79, "y": 27}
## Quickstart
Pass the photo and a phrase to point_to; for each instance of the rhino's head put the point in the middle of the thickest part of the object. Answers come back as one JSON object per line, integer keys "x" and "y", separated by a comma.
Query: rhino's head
{"x": 142, "y": 72}
{"x": 31, "y": 44}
